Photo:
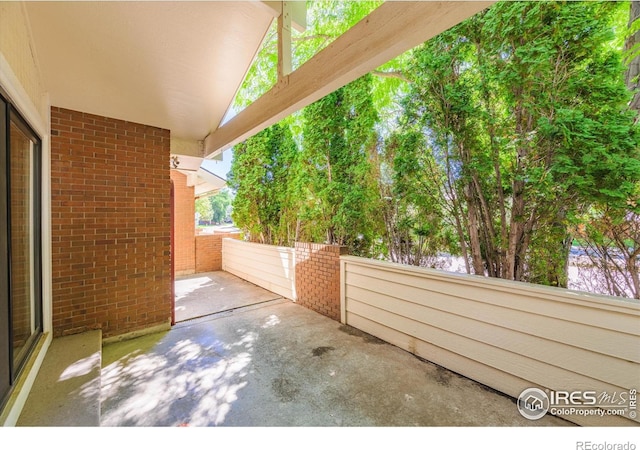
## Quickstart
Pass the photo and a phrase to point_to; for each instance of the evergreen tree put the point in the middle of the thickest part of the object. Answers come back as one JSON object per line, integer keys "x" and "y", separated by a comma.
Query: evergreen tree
{"x": 262, "y": 207}
{"x": 513, "y": 136}
{"x": 523, "y": 108}
{"x": 336, "y": 183}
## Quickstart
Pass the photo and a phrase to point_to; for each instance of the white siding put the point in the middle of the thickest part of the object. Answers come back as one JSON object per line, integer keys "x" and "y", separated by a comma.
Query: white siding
{"x": 506, "y": 335}
{"x": 267, "y": 266}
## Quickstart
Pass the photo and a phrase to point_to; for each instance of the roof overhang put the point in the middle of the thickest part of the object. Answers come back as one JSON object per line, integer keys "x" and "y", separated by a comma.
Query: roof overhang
{"x": 203, "y": 181}
{"x": 171, "y": 64}
{"x": 178, "y": 64}
{"x": 209, "y": 183}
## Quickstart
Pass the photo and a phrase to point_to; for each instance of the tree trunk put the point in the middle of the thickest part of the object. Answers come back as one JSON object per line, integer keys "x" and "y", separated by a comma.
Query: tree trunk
{"x": 632, "y": 76}
{"x": 474, "y": 234}
{"x": 516, "y": 231}
{"x": 463, "y": 242}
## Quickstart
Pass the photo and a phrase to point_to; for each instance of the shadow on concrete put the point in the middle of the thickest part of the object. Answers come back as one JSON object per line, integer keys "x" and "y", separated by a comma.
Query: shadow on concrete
{"x": 279, "y": 364}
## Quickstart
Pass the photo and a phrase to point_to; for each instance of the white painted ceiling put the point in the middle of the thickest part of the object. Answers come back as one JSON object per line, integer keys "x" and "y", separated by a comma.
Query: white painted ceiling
{"x": 171, "y": 64}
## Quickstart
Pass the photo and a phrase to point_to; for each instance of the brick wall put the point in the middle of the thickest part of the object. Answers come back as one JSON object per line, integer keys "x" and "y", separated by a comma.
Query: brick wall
{"x": 184, "y": 224}
{"x": 318, "y": 277}
{"x": 209, "y": 251}
{"x": 110, "y": 224}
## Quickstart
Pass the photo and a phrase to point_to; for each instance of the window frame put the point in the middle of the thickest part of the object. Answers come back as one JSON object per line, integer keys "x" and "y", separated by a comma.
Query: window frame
{"x": 10, "y": 370}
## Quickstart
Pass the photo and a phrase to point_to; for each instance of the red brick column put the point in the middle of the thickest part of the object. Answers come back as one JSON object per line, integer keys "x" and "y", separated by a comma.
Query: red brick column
{"x": 184, "y": 224}
{"x": 110, "y": 214}
{"x": 318, "y": 277}
{"x": 209, "y": 251}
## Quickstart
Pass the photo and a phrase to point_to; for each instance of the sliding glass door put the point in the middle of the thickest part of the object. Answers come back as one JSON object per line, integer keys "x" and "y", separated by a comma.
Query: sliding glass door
{"x": 21, "y": 290}
{"x": 5, "y": 353}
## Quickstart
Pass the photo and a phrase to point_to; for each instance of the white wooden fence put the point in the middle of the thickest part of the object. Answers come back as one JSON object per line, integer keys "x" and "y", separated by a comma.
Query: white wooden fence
{"x": 507, "y": 335}
{"x": 267, "y": 266}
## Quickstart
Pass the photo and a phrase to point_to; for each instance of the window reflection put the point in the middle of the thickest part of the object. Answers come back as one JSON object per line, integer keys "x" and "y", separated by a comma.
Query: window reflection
{"x": 23, "y": 323}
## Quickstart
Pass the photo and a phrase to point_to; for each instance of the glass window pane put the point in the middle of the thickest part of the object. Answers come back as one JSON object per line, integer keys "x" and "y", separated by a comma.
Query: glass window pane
{"x": 22, "y": 239}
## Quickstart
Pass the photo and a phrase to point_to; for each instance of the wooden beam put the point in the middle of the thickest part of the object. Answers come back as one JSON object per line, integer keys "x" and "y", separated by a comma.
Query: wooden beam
{"x": 387, "y": 32}
{"x": 284, "y": 41}
{"x": 298, "y": 10}
{"x": 187, "y": 147}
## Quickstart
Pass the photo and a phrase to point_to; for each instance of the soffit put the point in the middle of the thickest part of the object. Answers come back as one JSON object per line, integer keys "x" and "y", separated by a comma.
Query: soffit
{"x": 170, "y": 64}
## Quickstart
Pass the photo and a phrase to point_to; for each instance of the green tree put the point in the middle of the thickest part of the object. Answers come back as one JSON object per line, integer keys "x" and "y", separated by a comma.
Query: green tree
{"x": 262, "y": 207}
{"x": 413, "y": 212}
{"x": 220, "y": 203}
{"x": 514, "y": 131}
{"x": 632, "y": 54}
{"x": 335, "y": 181}
{"x": 523, "y": 108}
{"x": 203, "y": 209}
{"x": 326, "y": 20}
{"x": 609, "y": 233}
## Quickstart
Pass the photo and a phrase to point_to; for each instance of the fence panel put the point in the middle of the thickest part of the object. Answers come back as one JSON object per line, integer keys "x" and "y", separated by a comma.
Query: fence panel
{"x": 507, "y": 335}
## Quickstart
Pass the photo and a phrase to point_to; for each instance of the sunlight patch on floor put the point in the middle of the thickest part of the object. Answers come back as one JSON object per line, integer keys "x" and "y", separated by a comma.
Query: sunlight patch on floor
{"x": 186, "y": 286}
{"x": 188, "y": 384}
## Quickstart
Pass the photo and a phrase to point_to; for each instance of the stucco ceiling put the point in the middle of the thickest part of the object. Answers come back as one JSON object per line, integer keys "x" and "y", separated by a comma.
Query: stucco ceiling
{"x": 171, "y": 64}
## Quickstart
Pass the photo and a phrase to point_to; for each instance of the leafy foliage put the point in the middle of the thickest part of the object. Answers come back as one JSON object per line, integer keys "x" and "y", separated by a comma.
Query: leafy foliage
{"x": 260, "y": 176}
{"x": 204, "y": 212}
{"x": 336, "y": 178}
{"x": 221, "y": 205}
{"x": 524, "y": 110}
{"x": 500, "y": 140}
{"x": 214, "y": 208}
{"x": 326, "y": 20}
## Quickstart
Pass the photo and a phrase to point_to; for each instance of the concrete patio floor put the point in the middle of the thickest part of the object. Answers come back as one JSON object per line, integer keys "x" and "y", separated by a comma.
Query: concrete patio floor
{"x": 276, "y": 363}
{"x": 207, "y": 293}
